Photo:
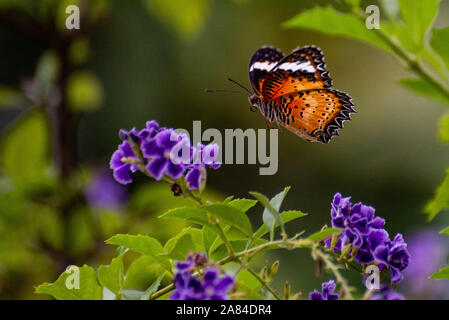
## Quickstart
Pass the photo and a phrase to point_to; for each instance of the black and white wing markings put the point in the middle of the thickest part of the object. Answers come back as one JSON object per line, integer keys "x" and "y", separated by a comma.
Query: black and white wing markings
{"x": 260, "y": 64}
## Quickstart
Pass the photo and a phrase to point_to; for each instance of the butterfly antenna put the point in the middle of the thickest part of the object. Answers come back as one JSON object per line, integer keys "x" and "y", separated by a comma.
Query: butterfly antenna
{"x": 241, "y": 86}
{"x": 225, "y": 91}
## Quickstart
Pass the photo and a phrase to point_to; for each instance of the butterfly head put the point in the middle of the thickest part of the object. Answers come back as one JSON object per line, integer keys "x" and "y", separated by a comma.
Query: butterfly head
{"x": 255, "y": 102}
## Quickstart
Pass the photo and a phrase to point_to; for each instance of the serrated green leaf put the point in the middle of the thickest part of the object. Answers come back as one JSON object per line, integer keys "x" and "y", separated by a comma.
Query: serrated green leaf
{"x": 441, "y": 200}
{"x": 424, "y": 88}
{"x": 445, "y": 231}
{"x": 440, "y": 43}
{"x": 74, "y": 284}
{"x": 287, "y": 216}
{"x": 231, "y": 215}
{"x": 332, "y": 22}
{"x": 142, "y": 244}
{"x": 111, "y": 276}
{"x": 323, "y": 234}
{"x": 441, "y": 274}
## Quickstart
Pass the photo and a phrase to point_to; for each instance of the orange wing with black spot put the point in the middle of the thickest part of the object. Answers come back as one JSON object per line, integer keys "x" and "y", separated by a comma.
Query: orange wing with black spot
{"x": 314, "y": 115}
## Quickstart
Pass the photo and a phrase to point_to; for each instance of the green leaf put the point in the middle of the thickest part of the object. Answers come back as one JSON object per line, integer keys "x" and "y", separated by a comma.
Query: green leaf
{"x": 193, "y": 214}
{"x": 418, "y": 17}
{"x": 231, "y": 215}
{"x": 24, "y": 149}
{"x": 111, "y": 276}
{"x": 444, "y": 129}
{"x": 143, "y": 244}
{"x": 323, "y": 234}
{"x": 209, "y": 237}
{"x": 441, "y": 274}
{"x": 424, "y": 88}
{"x": 287, "y": 216}
{"x": 142, "y": 295}
{"x": 445, "y": 231}
{"x": 271, "y": 214}
{"x": 179, "y": 247}
{"x": 332, "y": 22}
{"x": 84, "y": 91}
{"x": 246, "y": 278}
{"x": 74, "y": 284}
{"x": 441, "y": 200}
{"x": 242, "y": 204}
{"x": 440, "y": 43}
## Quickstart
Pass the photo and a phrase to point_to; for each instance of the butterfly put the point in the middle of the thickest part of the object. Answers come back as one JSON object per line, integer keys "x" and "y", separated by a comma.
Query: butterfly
{"x": 295, "y": 92}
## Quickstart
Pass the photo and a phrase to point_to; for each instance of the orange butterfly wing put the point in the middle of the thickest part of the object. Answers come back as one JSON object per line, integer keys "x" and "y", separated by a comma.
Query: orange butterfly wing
{"x": 314, "y": 115}
{"x": 303, "y": 69}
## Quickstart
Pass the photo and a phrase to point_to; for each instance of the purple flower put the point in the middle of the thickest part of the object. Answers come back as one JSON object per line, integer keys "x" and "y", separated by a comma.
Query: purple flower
{"x": 386, "y": 293}
{"x": 121, "y": 169}
{"x": 368, "y": 240}
{"x": 428, "y": 251}
{"x": 163, "y": 152}
{"x": 205, "y": 156}
{"x": 104, "y": 192}
{"x": 160, "y": 150}
{"x": 327, "y": 292}
{"x": 395, "y": 256}
{"x": 210, "y": 287}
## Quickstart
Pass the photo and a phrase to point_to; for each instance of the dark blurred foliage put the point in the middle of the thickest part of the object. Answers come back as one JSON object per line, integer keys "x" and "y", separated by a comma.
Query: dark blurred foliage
{"x": 133, "y": 61}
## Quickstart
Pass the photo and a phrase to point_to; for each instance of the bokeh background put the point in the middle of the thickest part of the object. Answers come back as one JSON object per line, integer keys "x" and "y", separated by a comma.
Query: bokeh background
{"x": 134, "y": 61}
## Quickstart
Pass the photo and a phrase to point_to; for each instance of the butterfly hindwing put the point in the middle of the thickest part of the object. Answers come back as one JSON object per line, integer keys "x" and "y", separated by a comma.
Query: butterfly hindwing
{"x": 261, "y": 63}
{"x": 303, "y": 69}
{"x": 314, "y": 115}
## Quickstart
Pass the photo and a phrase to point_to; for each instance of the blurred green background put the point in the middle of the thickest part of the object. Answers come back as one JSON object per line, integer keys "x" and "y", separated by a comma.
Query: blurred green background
{"x": 142, "y": 60}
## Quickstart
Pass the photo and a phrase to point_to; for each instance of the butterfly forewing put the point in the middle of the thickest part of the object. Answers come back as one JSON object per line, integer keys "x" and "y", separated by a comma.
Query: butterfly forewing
{"x": 261, "y": 63}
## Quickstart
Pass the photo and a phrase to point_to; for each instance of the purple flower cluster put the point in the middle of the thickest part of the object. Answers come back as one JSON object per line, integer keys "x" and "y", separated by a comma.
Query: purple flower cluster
{"x": 365, "y": 233}
{"x": 327, "y": 292}
{"x": 162, "y": 152}
{"x": 386, "y": 293}
{"x": 210, "y": 287}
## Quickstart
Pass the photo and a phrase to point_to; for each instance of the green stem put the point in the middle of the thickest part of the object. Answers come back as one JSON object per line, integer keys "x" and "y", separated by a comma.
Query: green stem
{"x": 334, "y": 268}
{"x": 410, "y": 60}
{"x": 264, "y": 283}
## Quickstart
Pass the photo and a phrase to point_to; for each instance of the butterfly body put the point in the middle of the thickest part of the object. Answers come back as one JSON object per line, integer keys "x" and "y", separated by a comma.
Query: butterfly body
{"x": 295, "y": 92}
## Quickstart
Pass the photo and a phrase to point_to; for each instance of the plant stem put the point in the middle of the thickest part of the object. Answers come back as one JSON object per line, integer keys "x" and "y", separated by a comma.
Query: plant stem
{"x": 334, "y": 268}
{"x": 264, "y": 283}
{"x": 410, "y": 60}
